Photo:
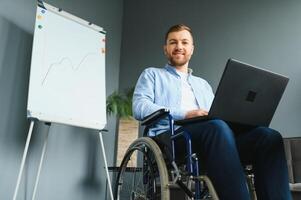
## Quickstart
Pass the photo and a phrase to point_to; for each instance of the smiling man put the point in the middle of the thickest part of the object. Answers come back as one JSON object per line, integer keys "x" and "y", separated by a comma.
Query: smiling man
{"x": 186, "y": 96}
{"x": 179, "y": 49}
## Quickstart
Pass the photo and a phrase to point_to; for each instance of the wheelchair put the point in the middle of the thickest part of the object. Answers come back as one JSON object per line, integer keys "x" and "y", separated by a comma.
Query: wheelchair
{"x": 149, "y": 172}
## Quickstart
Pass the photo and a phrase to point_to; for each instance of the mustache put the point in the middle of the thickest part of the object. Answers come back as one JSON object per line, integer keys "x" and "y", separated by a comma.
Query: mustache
{"x": 178, "y": 51}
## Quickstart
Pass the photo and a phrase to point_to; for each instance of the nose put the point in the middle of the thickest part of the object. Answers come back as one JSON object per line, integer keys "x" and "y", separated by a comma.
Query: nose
{"x": 179, "y": 46}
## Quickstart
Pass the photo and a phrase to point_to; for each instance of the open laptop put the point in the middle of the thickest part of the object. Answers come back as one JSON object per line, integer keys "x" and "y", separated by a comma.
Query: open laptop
{"x": 246, "y": 95}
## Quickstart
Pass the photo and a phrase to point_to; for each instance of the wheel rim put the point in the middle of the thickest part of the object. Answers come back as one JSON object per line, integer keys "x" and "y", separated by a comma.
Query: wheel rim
{"x": 140, "y": 182}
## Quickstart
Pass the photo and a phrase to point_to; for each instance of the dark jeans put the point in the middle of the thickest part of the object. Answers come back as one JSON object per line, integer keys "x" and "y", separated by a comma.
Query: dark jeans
{"x": 223, "y": 154}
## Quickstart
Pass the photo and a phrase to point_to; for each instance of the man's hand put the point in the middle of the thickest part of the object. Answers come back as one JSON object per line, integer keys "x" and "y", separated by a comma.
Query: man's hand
{"x": 196, "y": 113}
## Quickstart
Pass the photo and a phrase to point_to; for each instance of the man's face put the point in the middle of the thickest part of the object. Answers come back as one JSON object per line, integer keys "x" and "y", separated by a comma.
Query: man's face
{"x": 179, "y": 48}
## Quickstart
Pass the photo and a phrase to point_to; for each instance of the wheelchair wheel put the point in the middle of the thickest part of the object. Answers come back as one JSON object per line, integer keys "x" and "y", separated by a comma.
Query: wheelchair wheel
{"x": 207, "y": 190}
{"x": 148, "y": 180}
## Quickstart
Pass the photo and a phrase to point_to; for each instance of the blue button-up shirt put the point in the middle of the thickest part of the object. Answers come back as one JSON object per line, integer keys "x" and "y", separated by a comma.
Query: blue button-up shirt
{"x": 159, "y": 88}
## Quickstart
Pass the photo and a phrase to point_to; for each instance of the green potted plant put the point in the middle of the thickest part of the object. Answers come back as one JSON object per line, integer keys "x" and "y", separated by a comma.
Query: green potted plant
{"x": 120, "y": 104}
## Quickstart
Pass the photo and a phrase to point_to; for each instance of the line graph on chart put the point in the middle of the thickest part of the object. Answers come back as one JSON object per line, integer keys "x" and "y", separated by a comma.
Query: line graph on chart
{"x": 67, "y": 77}
{"x": 67, "y": 61}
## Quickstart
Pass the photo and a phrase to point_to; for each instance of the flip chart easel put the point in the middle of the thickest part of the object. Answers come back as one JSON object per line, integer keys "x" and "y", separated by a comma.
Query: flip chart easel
{"x": 67, "y": 78}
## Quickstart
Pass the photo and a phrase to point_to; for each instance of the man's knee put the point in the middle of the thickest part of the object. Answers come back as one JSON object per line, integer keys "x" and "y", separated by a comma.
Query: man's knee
{"x": 218, "y": 124}
{"x": 220, "y": 128}
{"x": 271, "y": 136}
{"x": 212, "y": 131}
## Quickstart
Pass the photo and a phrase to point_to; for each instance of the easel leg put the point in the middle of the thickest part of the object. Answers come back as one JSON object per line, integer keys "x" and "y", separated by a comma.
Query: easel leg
{"x": 23, "y": 159}
{"x": 41, "y": 162}
{"x": 106, "y": 165}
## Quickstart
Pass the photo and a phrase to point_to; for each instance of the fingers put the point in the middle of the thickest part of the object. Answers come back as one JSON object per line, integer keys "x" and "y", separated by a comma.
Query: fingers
{"x": 202, "y": 112}
{"x": 196, "y": 113}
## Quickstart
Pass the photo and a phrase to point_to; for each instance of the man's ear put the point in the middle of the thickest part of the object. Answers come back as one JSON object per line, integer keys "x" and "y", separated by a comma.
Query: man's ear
{"x": 192, "y": 49}
{"x": 164, "y": 50}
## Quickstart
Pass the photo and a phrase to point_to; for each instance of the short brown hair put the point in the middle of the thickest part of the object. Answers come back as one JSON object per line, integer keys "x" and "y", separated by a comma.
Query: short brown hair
{"x": 177, "y": 28}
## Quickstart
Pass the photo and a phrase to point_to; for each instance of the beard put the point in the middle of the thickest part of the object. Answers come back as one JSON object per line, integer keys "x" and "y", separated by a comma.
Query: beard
{"x": 177, "y": 62}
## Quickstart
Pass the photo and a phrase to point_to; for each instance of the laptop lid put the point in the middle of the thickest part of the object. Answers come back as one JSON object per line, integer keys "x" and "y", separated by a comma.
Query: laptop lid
{"x": 247, "y": 94}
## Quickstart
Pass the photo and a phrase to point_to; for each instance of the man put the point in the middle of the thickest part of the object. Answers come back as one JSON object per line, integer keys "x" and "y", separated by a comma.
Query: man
{"x": 186, "y": 96}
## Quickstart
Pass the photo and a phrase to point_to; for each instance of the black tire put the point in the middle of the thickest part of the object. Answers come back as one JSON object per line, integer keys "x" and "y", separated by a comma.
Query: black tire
{"x": 146, "y": 181}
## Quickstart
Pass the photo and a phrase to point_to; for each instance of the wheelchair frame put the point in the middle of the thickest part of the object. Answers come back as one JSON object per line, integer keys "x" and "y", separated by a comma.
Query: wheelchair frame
{"x": 202, "y": 184}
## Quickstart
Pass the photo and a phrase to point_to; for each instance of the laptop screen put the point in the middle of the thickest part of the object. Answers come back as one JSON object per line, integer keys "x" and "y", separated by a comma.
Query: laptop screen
{"x": 247, "y": 94}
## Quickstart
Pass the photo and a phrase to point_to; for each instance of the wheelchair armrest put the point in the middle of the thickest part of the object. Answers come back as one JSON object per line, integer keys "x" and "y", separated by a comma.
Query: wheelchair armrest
{"x": 154, "y": 117}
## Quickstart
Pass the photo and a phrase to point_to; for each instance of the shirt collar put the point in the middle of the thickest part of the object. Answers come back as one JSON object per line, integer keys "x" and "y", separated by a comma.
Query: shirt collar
{"x": 173, "y": 70}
